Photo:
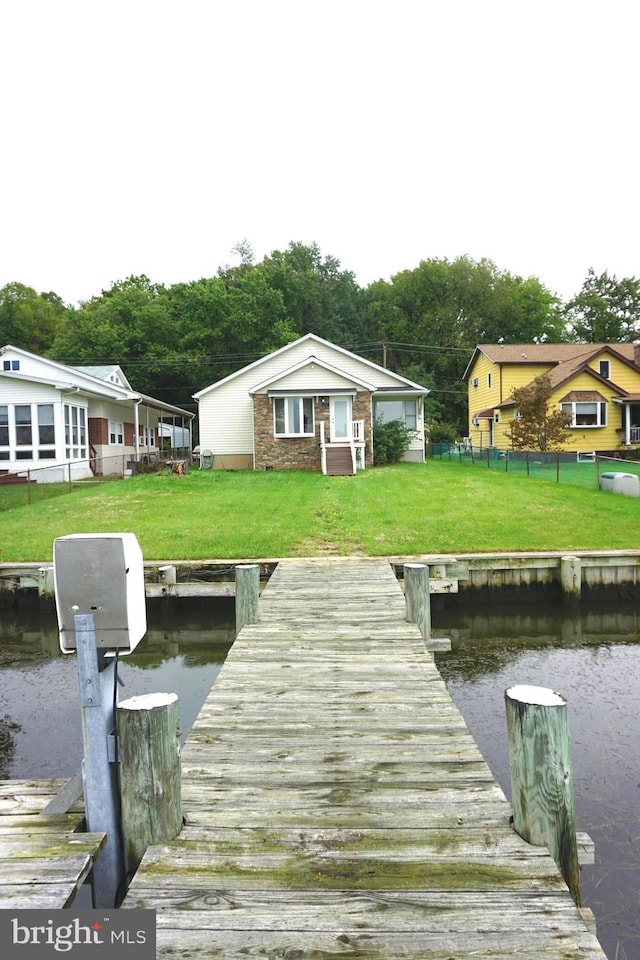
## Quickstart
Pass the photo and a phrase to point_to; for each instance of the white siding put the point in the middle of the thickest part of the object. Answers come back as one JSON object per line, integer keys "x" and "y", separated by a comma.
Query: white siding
{"x": 226, "y": 420}
{"x": 311, "y": 377}
{"x": 350, "y": 364}
{"x": 16, "y": 391}
{"x": 122, "y": 412}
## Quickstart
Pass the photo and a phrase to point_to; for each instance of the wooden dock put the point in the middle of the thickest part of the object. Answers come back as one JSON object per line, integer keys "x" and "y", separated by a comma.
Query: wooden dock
{"x": 44, "y": 858}
{"x": 336, "y": 804}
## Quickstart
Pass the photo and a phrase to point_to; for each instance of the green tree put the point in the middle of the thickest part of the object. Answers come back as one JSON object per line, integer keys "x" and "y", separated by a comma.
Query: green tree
{"x": 318, "y": 295}
{"x": 227, "y": 321}
{"x": 537, "y": 427}
{"x": 606, "y": 310}
{"x": 433, "y": 316}
{"x": 130, "y": 324}
{"x": 30, "y": 320}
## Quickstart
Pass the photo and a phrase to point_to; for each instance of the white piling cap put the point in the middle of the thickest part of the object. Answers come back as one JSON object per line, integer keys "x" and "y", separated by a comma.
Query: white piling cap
{"x": 542, "y": 696}
{"x": 148, "y": 701}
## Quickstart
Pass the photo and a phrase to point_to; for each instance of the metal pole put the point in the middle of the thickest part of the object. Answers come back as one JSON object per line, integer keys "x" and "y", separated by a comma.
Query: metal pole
{"x": 98, "y": 696}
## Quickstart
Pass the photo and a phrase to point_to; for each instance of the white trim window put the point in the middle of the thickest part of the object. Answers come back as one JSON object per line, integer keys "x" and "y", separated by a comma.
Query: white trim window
{"x": 586, "y": 413}
{"x": 404, "y": 410}
{"x": 116, "y": 433}
{"x": 46, "y": 432}
{"x": 24, "y": 431}
{"x": 75, "y": 432}
{"x": 293, "y": 417}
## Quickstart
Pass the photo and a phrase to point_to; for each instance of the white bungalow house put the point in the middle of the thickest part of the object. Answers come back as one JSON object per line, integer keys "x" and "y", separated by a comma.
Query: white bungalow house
{"x": 309, "y": 405}
{"x": 56, "y": 419}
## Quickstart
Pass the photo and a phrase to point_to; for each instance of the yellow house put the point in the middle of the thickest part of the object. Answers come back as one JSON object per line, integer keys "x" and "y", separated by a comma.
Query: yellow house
{"x": 597, "y": 383}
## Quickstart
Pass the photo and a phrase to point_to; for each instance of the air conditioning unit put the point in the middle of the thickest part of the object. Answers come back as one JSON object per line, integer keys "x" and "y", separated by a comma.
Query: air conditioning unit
{"x": 496, "y": 418}
{"x": 475, "y": 422}
{"x": 474, "y": 382}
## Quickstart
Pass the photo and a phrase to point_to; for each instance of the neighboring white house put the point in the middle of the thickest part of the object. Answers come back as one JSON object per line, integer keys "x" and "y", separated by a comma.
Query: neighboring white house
{"x": 310, "y": 405}
{"x": 53, "y": 416}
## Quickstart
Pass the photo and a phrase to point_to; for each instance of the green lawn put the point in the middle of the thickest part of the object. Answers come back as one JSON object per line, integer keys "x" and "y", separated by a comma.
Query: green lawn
{"x": 438, "y": 507}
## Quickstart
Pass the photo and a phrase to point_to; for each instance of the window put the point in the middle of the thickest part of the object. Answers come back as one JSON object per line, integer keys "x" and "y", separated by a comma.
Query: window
{"x": 293, "y": 417}
{"x": 147, "y": 437}
{"x": 605, "y": 369}
{"x": 46, "y": 428}
{"x": 116, "y": 432}
{"x": 23, "y": 425}
{"x": 46, "y": 432}
{"x": 75, "y": 432}
{"x": 586, "y": 413}
{"x": 404, "y": 410}
{"x": 4, "y": 426}
{"x": 489, "y": 381}
{"x": 10, "y": 364}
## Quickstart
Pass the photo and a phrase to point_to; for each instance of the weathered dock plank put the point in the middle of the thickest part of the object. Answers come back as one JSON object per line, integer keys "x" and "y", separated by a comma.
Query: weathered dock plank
{"x": 44, "y": 858}
{"x": 336, "y": 804}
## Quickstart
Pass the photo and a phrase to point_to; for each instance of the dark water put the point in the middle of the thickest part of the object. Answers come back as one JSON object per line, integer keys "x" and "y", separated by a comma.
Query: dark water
{"x": 592, "y": 658}
{"x": 40, "y": 720}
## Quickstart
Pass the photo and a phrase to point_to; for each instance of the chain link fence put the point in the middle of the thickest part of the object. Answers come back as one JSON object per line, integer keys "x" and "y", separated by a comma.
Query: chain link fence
{"x": 579, "y": 469}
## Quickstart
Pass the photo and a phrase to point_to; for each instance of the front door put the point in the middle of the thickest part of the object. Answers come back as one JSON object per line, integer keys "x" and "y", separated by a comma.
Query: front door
{"x": 340, "y": 419}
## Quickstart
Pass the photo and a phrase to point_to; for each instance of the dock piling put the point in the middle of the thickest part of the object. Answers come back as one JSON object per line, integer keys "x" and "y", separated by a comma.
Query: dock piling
{"x": 150, "y": 793}
{"x": 247, "y": 594}
{"x": 542, "y": 776}
{"x": 571, "y": 580}
{"x": 418, "y": 597}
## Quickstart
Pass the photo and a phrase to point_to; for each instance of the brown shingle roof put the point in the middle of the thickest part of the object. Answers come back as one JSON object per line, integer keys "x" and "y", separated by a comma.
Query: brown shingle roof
{"x": 552, "y": 352}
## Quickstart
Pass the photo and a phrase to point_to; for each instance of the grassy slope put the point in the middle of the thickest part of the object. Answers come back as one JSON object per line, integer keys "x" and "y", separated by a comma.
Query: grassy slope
{"x": 439, "y": 507}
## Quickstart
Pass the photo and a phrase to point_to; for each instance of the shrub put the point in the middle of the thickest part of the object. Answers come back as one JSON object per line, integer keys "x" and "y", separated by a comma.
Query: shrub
{"x": 439, "y": 432}
{"x": 390, "y": 440}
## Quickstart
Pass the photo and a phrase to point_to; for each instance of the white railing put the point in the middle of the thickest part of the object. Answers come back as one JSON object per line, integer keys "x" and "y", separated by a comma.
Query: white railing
{"x": 355, "y": 441}
{"x": 357, "y": 445}
{"x": 357, "y": 431}
{"x": 634, "y": 434}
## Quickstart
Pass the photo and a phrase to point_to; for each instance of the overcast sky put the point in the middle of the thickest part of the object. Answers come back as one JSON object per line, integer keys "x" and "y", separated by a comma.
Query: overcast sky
{"x": 150, "y": 137}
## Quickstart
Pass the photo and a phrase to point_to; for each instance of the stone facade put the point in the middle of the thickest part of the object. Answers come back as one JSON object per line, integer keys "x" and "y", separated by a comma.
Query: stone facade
{"x": 282, "y": 453}
{"x": 301, "y": 453}
{"x": 362, "y": 406}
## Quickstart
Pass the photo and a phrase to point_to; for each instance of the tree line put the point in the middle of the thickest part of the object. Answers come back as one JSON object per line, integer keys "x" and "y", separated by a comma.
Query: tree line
{"x": 423, "y": 323}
